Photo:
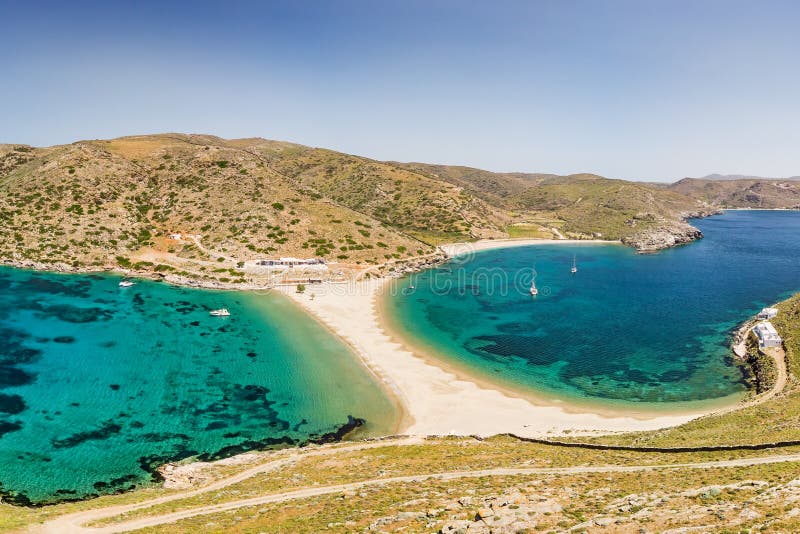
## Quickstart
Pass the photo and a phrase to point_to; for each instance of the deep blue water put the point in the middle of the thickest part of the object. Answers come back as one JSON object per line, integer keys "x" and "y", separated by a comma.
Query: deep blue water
{"x": 626, "y": 329}
{"x": 99, "y": 384}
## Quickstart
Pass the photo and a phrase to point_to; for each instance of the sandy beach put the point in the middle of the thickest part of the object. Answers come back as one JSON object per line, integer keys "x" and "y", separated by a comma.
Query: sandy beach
{"x": 437, "y": 400}
{"x": 460, "y": 249}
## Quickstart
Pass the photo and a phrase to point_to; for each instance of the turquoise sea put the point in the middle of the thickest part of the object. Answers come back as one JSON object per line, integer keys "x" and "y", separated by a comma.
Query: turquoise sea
{"x": 630, "y": 331}
{"x": 99, "y": 384}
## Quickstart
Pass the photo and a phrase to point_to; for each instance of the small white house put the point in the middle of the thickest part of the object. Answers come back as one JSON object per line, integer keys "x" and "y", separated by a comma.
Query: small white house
{"x": 767, "y": 335}
{"x": 767, "y": 314}
{"x": 176, "y": 237}
{"x": 316, "y": 264}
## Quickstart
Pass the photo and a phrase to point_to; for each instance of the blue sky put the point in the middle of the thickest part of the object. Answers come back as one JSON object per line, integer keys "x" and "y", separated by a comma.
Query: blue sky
{"x": 649, "y": 90}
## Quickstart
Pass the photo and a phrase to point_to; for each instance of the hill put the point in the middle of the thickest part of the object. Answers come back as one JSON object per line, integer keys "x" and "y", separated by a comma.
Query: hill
{"x": 645, "y": 216}
{"x": 717, "y": 176}
{"x": 111, "y": 204}
{"x": 742, "y": 193}
{"x": 100, "y": 204}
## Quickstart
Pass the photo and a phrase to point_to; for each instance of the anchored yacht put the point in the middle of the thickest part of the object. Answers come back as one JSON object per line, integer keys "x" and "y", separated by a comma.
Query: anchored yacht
{"x": 534, "y": 291}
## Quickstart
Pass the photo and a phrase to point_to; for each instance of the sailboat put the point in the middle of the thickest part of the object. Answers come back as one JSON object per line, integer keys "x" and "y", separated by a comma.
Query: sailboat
{"x": 574, "y": 265}
{"x": 534, "y": 291}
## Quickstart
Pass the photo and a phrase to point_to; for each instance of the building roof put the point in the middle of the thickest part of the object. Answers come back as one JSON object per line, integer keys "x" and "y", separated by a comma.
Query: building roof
{"x": 766, "y": 329}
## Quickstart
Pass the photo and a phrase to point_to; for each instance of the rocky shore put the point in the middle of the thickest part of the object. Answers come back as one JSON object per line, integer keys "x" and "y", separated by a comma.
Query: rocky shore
{"x": 663, "y": 237}
{"x": 170, "y": 278}
{"x": 669, "y": 234}
{"x": 413, "y": 265}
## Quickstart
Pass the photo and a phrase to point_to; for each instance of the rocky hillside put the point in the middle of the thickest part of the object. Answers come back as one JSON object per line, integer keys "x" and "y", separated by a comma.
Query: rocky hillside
{"x": 582, "y": 205}
{"x": 110, "y": 204}
{"x": 742, "y": 193}
{"x": 113, "y": 203}
{"x": 448, "y": 485}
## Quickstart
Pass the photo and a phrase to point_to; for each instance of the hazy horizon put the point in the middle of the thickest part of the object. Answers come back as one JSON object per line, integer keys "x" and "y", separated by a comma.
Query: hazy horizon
{"x": 652, "y": 91}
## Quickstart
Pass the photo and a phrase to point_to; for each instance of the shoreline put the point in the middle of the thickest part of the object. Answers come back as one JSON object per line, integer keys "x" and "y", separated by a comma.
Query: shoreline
{"x": 402, "y": 416}
{"x": 469, "y": 247}
{"x": 606, "y": 408}
{"x": 440, "y": 398}
{"x": 441, "y": 401}
{"x": 760, "y": 209}
{"x": 453, "y": 401}
{"x": 345, "y": 309}
{"x": 423, "y": 388}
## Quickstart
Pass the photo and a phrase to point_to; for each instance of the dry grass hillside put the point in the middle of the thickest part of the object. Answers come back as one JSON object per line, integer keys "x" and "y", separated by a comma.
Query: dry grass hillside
{"x": 113, "y": 204}
{"x": 743, "y": 193}
{"x": 431, "y": 209}
{"x": 579, "y": 205}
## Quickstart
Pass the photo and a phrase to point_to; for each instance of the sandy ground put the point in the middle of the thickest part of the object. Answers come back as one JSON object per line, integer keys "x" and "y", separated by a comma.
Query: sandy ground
{"x": 460, "y": 249}
{"x": 440, "y": 400}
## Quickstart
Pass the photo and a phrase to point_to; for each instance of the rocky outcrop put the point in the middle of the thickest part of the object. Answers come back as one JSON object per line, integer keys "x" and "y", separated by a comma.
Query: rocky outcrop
{"x": 400, "y": 268}
{"x": 664, "y": 236}
{"x": 660, "y": 232}
{"x": 195, "y": 474}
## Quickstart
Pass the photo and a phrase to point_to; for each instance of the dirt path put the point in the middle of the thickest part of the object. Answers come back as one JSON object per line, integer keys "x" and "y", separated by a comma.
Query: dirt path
{"x": 779, "y": 356}
{"x": 207, "y": 252}
{"x": 74, "y": 523}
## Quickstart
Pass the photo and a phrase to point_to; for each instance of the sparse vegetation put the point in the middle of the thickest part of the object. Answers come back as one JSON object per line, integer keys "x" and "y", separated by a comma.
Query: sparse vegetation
{"x": 102, "y": 203}
{"x": 124, "y": 196}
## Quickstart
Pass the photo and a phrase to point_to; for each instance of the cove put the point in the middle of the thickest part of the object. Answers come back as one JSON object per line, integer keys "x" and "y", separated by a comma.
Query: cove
{"x": 101, "y": 384}
{"x": 627, "y": 331}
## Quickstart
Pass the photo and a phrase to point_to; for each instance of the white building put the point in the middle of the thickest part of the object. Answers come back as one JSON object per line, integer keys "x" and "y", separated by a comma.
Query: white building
{"x": 767, "y": 314}
{"x": 316, "y": 264}
{"x": 767, "y": 335}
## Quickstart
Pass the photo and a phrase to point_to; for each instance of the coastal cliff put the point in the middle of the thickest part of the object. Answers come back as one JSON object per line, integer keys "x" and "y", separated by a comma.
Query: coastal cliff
{"x": 662, "y": 237}
{"x": 668, "y": 233}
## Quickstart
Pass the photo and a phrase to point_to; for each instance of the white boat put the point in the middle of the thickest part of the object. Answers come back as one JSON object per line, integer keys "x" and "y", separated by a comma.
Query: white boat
{"x": 574, "y": 266}
{"x": 222, "y": 312}
{"x": 534, "y": 291}
{"x": 126, "y": 283}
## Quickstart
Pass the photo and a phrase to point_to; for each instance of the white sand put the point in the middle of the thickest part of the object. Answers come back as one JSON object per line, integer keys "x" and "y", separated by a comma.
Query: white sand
{"x": 460, "y": 249}
{"x": 438, "y": 400}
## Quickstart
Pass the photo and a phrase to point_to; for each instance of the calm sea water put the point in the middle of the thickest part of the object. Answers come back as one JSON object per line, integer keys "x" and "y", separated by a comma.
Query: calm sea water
{"x": 98, "y": 384}
{"x": 627, "y": 329}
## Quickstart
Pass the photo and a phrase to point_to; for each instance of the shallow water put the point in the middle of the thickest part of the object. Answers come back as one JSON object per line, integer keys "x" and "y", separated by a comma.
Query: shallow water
{"x": 626, "y": 330}
{"x": 98, "y": 384}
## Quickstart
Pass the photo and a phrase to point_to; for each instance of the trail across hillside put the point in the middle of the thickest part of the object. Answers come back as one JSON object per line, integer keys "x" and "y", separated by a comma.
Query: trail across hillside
{"x": 74, "y": 523}
{"x": 779, "y": 356}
